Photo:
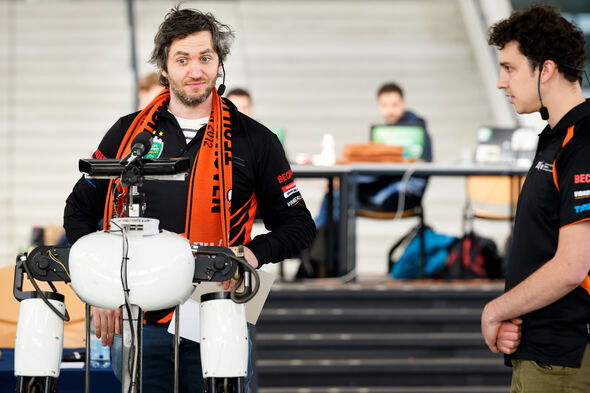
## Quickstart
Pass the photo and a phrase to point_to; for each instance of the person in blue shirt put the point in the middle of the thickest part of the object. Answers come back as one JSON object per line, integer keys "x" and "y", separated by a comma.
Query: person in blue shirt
{"x": 381, "y": 193}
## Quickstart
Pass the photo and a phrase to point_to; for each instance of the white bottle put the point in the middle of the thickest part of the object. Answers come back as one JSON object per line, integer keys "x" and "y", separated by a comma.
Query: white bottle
{"x": 100, "y": 356}
{"x": 328, "y": 155}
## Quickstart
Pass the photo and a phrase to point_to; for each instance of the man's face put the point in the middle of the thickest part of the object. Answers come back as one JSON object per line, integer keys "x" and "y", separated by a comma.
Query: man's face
{"x": 392, "y": 106}
{"x": 193, "y": 68}
{"x": 242, "y": 103}
{"x": 518, "y": 79}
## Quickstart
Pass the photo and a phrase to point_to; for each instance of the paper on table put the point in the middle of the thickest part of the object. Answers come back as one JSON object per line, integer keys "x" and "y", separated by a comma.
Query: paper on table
{"x": 254, "y": 306}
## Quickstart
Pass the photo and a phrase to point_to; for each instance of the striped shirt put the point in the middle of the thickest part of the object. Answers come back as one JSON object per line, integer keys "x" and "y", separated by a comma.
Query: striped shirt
{"x": 190, "y": 127}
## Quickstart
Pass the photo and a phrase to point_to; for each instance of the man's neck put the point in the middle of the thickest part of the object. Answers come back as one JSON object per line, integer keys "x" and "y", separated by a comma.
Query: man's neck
{"x": 561, "y": 101}
{"x": 177, "y": 108}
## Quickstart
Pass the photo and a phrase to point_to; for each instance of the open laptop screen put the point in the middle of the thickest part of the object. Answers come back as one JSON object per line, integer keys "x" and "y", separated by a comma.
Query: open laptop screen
{"x": 509, "y": 145}
{"x": 411, "y": 138}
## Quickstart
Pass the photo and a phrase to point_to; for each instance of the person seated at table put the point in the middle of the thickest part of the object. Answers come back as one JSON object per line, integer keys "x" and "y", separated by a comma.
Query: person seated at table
{"x": 382, "y": 193}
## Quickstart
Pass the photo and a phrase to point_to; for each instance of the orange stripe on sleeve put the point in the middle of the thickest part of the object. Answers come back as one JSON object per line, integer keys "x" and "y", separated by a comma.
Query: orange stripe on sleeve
{"x": 573, "y": 223}
{"x": 586, "y": 284}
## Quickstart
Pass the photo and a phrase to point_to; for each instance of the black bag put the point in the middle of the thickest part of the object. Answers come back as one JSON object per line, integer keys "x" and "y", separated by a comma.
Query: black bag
{"x": 473, "y": 256}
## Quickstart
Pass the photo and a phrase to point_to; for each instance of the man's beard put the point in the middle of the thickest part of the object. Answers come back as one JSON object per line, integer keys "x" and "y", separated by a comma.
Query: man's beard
{"x": 192, "y": 100}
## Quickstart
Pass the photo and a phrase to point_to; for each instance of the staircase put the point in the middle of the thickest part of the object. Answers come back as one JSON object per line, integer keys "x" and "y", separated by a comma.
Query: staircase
{"x": 389, "y": 337}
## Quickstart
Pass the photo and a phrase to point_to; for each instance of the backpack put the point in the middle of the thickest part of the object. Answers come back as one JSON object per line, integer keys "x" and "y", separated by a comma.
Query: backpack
{"x": 408, "y": 265}
{"x": 472, "y": 256}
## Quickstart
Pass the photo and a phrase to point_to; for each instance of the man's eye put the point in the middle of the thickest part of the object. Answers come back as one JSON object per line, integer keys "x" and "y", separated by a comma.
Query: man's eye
{"x": 181, "y": 61}
{"x": 206, "y": 59}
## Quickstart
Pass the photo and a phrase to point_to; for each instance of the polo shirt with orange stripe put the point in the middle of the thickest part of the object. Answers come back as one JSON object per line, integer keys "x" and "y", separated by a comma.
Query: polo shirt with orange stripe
{"x": 555, "y": 194}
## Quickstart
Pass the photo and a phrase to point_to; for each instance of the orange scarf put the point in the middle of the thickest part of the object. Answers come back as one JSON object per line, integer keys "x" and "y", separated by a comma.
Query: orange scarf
{"x": 209, "y": 192}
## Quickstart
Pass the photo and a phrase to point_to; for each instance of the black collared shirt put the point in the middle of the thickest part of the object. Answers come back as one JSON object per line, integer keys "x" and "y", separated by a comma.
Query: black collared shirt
{"x": 556, "y": 193}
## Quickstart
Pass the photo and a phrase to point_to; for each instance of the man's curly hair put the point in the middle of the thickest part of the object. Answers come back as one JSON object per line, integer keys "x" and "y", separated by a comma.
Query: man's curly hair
{"x": 180, "y": 23}
{"x": 543, "y": 34}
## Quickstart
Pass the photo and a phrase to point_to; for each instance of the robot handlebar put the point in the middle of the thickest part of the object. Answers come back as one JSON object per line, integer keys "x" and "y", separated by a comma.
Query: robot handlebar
{"x": 213, "y": 264}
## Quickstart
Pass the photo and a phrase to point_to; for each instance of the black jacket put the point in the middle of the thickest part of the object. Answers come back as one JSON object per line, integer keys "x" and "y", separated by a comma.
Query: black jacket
{"x": 260, "y": 167}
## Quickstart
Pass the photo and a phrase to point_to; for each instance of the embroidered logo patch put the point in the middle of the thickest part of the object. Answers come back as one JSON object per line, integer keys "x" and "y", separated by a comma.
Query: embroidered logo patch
{"x": 157, "y": 148}
{"x": 543, "y": 166}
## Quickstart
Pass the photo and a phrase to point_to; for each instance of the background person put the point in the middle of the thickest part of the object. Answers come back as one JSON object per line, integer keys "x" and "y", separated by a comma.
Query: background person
{"x": 148, "y": 88}
{"x": 190, "y": 47}
{"x": 241, "y": 99}
{"x": 541, "y": 58}
{"x": 382, "y": 193}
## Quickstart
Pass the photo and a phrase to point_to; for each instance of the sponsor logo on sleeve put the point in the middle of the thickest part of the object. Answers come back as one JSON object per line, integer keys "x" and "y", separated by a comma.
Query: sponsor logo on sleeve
{"x": 290, "y": 189}
{"x": 294, "y": 200}
{"x": 581, "y": 194}
{"x": 582, "y": 178}
{"x": 285, "y": 176}
{"x": 98, "y": 154}
{"x": 582, "y": 208}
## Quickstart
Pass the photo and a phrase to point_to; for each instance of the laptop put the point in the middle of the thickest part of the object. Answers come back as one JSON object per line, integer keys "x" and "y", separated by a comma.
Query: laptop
{"x": 505, "y": 145}
{"x": 411, "y": 138}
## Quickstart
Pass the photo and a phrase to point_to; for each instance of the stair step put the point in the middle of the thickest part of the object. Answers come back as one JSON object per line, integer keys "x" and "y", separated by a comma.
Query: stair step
{"x": 368, "y": 320}
{"x": 379, "y": 389}
{"x": 379, "y": 345}
{"x": 382, "y": 372}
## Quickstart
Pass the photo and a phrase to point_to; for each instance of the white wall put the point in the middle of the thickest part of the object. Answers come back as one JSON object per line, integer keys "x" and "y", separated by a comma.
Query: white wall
{"x": 312, "y": 66}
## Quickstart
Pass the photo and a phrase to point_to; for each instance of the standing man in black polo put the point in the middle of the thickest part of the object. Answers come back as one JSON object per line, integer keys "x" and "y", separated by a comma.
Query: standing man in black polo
{"x": 542, "y": 57}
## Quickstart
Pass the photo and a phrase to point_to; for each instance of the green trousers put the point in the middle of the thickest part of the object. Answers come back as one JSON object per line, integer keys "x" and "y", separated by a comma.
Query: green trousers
{"x": 531, "y": 377}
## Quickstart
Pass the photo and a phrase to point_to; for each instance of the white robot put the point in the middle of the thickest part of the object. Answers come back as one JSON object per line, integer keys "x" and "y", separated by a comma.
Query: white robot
{"x": 122, "y": 267}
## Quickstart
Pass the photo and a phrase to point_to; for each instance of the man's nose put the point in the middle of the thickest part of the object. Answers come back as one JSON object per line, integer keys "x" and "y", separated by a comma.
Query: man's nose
{"x": 502, "y": 83}
{"x": 195, "y": 70}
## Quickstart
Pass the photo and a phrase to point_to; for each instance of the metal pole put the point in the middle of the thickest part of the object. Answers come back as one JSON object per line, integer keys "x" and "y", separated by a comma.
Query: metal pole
{"x": 131, "y": 17}
{"x": 176, "y": 345}
{"x": 87, "y": 355}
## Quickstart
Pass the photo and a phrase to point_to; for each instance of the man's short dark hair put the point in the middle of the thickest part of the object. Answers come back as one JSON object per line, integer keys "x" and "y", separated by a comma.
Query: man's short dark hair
{"x": 179, "y": 24}
{"x": 390, "y": 87}
{"x": 542, "y": 33}
{"x": 238, "y": 91}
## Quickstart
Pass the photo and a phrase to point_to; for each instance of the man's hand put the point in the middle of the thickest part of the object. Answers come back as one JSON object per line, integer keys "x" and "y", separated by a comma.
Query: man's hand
{"x": 509, "y": 335}
{"x": 500, "y": 336}
{"x": 106, "y": 324}
{"x": 252, "y": 261}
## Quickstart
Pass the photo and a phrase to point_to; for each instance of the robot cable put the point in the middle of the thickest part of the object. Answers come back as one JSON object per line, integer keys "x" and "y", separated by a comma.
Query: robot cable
{"x": 65, "y": 317}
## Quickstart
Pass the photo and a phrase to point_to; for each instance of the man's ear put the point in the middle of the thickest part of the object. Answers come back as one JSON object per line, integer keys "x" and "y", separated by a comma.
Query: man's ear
{"x": 548, "y": 71}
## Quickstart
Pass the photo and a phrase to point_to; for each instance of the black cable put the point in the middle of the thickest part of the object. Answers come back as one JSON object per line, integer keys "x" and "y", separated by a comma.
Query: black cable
{"x": 65, "y": 317}
{"x": 132, "y": 361}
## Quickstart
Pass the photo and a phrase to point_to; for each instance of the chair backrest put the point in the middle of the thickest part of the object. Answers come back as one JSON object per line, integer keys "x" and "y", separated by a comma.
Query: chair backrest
{"x": 411, "y": 138}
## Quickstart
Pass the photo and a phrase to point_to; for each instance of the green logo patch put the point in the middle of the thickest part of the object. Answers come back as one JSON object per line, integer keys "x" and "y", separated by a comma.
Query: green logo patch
{"x": 157, "y": 148}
